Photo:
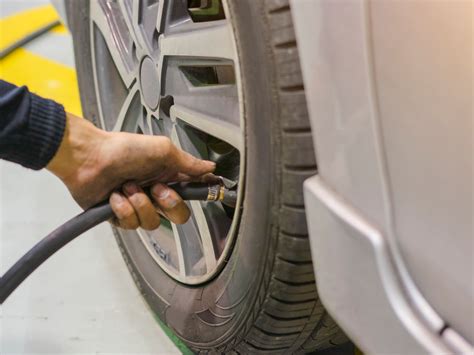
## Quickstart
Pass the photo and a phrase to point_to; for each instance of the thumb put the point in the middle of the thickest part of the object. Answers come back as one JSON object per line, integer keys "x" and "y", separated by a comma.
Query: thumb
{"x": 192, "y": 166}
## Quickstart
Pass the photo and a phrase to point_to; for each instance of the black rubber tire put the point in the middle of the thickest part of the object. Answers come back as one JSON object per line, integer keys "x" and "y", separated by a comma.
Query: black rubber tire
{"x": 265, "y": 298}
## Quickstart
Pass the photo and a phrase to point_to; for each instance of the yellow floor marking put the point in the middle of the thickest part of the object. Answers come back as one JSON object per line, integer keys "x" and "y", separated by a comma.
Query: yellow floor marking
{"x": 61, "y": 29}
{"x": 19, "y": 25}
{"x": 43, "y": 77}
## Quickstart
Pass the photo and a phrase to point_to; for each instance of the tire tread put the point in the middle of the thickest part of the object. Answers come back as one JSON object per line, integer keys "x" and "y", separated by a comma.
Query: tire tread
{"x": 291, "y": 317}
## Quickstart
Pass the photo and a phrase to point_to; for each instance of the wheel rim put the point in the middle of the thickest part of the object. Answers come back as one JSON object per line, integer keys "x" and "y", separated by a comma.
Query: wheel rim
{"x": 170, "y": 68}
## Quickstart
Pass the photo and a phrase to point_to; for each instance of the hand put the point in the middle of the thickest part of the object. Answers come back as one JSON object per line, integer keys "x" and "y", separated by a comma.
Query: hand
{"x": 92, "y": 163}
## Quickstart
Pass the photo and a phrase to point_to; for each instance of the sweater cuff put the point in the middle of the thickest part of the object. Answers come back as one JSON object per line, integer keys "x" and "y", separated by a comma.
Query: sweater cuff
{"x": 46, "y": 124}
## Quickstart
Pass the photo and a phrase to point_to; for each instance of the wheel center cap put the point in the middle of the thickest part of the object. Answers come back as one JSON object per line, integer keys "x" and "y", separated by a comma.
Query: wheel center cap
{"x": 150, "y": 82}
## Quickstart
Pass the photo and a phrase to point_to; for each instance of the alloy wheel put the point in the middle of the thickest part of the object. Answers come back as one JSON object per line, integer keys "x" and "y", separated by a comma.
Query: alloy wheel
{"x": 170, "y": 68}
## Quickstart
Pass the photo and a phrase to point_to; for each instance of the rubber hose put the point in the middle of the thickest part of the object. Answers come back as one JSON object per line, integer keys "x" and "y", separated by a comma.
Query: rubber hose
{"x": 71, "y": 230}
{"x": 191, "y": 191}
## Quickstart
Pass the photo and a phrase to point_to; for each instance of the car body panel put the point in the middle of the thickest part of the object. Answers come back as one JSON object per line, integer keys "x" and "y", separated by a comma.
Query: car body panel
{"x": 392, "y": 125}
{"x": 423, "y": 70}
{"x": 357, "y": 281}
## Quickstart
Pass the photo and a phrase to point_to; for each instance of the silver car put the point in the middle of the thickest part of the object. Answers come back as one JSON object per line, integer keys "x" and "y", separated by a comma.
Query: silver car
{"x": 347, "y": 127}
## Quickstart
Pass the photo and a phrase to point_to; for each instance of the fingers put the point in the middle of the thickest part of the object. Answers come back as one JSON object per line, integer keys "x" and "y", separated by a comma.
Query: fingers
{"x": 123, "y": 210}
{"x": 134, "y": 209}
{"x": 209, "y": 178}
{"x": 170, "y": 203}
{"x": 146, "y": 212}
{"x": 192, "y": 166}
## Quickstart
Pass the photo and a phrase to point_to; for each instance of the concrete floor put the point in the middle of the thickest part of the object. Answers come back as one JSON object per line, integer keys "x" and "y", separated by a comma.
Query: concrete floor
{"x": 83, "y": 299}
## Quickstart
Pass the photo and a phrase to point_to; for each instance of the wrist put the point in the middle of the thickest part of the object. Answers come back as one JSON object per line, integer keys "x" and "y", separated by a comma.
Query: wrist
{"x": 78, "y": 151}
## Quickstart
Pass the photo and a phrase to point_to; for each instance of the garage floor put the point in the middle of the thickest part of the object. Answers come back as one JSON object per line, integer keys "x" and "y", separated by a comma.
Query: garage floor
{"x": 83, "y": 299}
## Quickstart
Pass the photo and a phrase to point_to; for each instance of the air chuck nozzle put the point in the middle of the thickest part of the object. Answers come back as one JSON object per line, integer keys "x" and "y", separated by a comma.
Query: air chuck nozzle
{"x": 223, "y": 194}
{"x": 206, "y": 192}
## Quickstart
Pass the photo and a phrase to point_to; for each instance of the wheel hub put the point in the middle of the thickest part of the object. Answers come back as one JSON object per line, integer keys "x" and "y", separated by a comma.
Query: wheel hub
{"x": 149, "y": 82}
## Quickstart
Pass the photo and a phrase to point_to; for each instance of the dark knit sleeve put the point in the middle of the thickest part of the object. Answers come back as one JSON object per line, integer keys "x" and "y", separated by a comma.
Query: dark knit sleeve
{"x": 31, "y": 128}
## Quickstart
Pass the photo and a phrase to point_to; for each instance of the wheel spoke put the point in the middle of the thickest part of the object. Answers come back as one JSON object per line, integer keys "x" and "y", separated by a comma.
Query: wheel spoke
{"x": 158, "y": 126}
{"x": 205, "y": 234}
{"x": 179, "y": 249}
{"x": 146, "y": 125}
{"x": 160, "y": 18}
{"x": 201, "y": 222}
{"x": 149, "y": 21}
{"x": 143, "y": 19}
{"x": 174, "y": 137}
{"x": 130, "y": 9}
{"x": 130, "y": 113}
{"x": 211, "y": 40}
{"x": 109, "y": 20}
{"x": 217, "y": 127}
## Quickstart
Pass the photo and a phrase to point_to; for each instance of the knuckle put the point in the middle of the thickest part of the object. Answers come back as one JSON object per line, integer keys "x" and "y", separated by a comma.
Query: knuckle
{"x": 166, "y": 145}
{"x": 165, "y": 141}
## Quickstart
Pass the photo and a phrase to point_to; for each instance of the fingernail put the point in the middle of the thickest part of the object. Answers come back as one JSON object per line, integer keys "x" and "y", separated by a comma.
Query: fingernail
{"x": 130, "y": 188}
{"x": 116, "y": 198}
{"x": 160, "y": 191}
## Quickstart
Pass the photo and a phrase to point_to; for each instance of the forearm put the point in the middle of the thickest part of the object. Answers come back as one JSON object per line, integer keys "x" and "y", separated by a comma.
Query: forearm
{"x": 31, "y": 128}
{"x": 37, "y": 133}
